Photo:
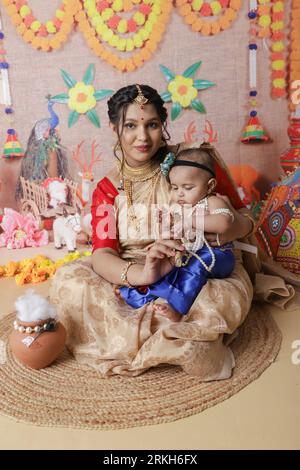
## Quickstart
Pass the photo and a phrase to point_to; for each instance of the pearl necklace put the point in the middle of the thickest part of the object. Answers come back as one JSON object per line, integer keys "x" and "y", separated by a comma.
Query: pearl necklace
{"x": 47, "y": 326}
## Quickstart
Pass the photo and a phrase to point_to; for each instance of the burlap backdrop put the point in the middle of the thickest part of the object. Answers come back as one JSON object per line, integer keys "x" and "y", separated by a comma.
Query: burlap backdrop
{"x": 225, "y": 61}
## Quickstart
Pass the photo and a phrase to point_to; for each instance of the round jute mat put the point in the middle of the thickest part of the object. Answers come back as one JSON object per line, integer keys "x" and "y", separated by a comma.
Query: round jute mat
{"x": 72, "y": 395}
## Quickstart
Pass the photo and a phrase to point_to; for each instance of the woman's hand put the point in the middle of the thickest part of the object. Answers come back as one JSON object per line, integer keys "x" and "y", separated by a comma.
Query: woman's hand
{"x": 158, "y": 260}
{"x": 240, "y": 227}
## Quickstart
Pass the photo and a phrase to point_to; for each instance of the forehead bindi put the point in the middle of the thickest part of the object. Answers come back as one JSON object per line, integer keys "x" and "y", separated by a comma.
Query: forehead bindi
{"x": 135, "y": 113}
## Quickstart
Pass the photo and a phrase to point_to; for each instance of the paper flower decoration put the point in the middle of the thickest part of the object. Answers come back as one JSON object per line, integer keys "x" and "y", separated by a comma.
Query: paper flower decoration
{"x": 21, "y": 230}
{"x": 183, "y": 90}
{"x": 81, "y": 97}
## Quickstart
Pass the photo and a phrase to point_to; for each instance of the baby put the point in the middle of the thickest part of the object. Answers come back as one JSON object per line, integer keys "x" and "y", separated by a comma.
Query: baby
{"x": 192, "y": 179}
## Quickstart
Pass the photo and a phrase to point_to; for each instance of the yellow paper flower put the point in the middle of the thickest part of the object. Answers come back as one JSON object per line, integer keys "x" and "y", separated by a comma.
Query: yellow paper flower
{"x": 81, "y": 98}
{"x": 182, "y": 90}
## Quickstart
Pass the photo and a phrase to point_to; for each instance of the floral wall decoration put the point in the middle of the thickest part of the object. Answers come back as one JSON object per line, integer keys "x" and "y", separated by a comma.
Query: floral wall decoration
{"x": 209, "y": 18}
{"x": 124, "y": 33}
{"x": 294, "y": 62}
{"x": 81, "y": 96}
{"x": 183, "y": 90}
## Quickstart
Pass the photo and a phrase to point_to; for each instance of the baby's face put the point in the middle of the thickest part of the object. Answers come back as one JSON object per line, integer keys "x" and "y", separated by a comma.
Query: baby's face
{"x": 188, "y": 184}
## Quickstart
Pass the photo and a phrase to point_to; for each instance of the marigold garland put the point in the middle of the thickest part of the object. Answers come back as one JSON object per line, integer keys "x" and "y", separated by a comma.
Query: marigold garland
{"x": 95, "y": 27}
{"x": 195, "y": 12}
{"x": 45, "y": 36}
{"x": 37, "y": 269}
{"x": 294, "y": 48}
{"x": 278, "y": 62}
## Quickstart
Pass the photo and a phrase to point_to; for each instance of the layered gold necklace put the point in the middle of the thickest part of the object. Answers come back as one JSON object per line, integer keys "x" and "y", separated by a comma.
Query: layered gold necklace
{"x": 130, "y": 175}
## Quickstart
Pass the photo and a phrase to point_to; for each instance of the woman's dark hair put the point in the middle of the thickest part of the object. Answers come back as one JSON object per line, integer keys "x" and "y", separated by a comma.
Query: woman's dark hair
{"x": 119, "y": 102}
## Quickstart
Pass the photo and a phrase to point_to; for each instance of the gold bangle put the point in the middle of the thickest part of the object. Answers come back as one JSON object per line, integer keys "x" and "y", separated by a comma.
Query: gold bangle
{"x": 253, "y": 225}
{"x": 123, "y": 275}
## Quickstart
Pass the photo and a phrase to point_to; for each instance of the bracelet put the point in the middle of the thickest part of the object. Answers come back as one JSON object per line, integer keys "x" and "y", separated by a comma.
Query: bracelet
{"x": 253, "y": 225}
{"x": 123, "y": 275}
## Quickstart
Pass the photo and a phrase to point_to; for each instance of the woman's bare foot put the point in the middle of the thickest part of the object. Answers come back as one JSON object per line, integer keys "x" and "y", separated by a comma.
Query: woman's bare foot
{"x": 167, "y": 311}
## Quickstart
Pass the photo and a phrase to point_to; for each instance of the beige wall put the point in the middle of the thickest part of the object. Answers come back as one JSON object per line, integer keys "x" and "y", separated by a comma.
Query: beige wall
{"x": 225, "y": 61}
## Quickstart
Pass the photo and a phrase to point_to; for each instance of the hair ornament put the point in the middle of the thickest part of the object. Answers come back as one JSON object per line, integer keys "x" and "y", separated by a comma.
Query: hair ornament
{"x": 166, "y": 165}
{"x": 140, "y": 99}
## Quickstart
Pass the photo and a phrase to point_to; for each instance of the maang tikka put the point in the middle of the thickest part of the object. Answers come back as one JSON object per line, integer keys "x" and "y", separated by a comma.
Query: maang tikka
{"x": 140, "y": 99}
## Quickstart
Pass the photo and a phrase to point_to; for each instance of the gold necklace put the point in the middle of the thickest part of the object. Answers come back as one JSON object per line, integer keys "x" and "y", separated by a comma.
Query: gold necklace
{"x": 130, "y": 175}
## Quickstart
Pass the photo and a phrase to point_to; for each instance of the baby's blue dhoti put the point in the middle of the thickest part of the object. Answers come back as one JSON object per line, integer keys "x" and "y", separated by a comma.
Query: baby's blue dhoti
{"x": 181, "y": 286}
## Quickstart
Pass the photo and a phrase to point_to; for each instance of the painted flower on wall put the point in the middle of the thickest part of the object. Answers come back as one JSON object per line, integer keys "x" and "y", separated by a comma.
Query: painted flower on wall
{"x": 82, "y": 96}
{"x": 183, "y": 90}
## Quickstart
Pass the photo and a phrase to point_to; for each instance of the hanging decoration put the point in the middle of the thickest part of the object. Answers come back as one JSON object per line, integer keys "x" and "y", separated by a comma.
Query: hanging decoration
{"x": 294, "y": 58}
{"x": 124, "y": 33}
{"x": 110, "y": 35}
{"x": 12, "y": 147}
{"x": 290, "y": 158}
{"x": 209, "y": 18}
{"x": 278, "y": 62}
{"x": 81, "y": 97}
{"x": 253, "y": 131}
{"x": 44, "y": 36}
{"x": 183, "y": 90}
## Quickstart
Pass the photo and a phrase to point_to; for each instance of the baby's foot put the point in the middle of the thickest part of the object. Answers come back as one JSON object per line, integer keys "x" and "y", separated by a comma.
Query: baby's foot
{"x": 167, "y": 311}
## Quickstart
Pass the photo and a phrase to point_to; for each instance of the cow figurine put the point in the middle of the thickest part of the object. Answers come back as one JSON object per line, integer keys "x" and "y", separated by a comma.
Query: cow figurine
{"x": 65, "y": 230}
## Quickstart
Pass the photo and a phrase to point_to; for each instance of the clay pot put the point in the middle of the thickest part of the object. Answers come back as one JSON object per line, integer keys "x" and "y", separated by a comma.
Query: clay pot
{"x": 43, "y": 350}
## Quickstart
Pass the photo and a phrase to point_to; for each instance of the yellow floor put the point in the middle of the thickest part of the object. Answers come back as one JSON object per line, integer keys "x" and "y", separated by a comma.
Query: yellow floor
{"x": 264, "y": 415}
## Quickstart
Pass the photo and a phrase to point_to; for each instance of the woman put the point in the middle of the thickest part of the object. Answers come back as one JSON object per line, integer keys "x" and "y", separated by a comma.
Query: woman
{"x": 103, "y": 331}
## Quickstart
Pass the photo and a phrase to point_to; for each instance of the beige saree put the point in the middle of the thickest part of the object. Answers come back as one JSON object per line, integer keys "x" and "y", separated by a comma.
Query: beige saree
{"x": 105, "y": 333}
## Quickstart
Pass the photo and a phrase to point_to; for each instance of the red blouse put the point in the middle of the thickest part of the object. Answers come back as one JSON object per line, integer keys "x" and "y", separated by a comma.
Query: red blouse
{"x": 104, "y": 224}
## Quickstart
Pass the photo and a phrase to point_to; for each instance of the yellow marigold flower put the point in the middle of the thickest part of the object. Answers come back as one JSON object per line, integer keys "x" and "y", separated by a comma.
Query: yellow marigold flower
{"x": 122, "y": 26}
{"x": 81, "y": 98}
{"x": 107, "y": 14}
{"x": 182, "y": 90}
{"x": 138, "y": 40}
{"x": 117, "y": 5}
{"x": 278, "y": 65}
{"x": 277, "y": 7}
{"x": 216, "y": 7}
{"x": 197, "y": 5}
{"x": 279, "y": 83}
{"x": 24, "y": 11}
{"x": 139, "y": 18}
{"x": 59, "y": 14}
{"x": 129, "y": 45}
{"x": 113, "y": 41}
{"x": 121, "y": 44}
{"x": 278, "y": 46}
{"x": 107, "y": 35}
{"x": 264, "y": 20}
{"x": 35, "y": 26}
{"x": 50, "y": 27}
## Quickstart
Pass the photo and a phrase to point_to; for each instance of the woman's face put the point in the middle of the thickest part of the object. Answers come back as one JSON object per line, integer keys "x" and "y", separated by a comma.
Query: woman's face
{"x": 142, "y": 134}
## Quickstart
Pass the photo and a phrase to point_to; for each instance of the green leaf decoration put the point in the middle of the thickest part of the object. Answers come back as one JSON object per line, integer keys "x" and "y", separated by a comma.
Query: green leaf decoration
{"x": 190, "y": 71}
{"x": 88, "y": 77}
{"x": 101, "y": 94}
{"x": 175, "y": 111}
{"x": 166, "y": 96}
{"x": 198, "y": 106}
{"x": 61, "y": 98}
{"x": 93, "y": 117}
{"x": 169, "y": 75}
{"x": 73, "y": 118}
{"x": 69, "y": 81}
{"x": 202, "y": 84}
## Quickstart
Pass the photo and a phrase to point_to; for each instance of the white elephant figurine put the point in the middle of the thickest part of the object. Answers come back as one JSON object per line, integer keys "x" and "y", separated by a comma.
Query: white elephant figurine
{"x": 65, "y": 230}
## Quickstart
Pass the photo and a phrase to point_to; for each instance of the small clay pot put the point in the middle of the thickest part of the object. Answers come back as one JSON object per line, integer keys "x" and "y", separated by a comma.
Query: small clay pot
{"x": 43, "y": 350}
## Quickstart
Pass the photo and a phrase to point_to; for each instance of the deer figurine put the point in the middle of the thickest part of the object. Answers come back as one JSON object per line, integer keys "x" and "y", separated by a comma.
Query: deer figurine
{"x": 86, "y": 173}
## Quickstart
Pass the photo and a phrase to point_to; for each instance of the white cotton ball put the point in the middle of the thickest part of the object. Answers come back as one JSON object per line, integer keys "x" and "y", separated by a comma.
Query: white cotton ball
{"x": 34, "y": 307}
